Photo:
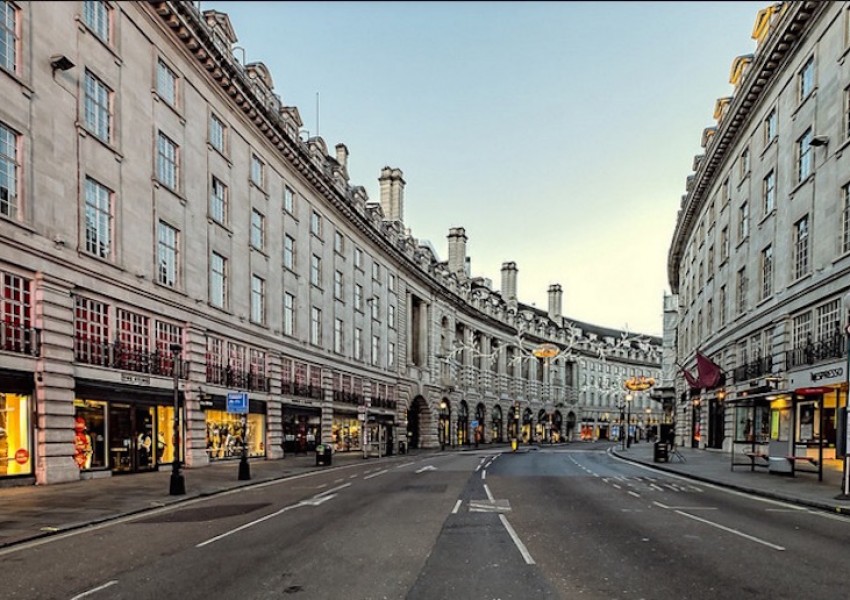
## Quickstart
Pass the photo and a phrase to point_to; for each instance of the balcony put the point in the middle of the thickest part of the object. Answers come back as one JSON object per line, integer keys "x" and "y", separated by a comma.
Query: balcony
{"x": 116, "y": 356}
{"x": 827, "y": 348}
{"x": 20, "y": 339}
{"x": 751, "y": 370}
{"x": 237, "y": 379}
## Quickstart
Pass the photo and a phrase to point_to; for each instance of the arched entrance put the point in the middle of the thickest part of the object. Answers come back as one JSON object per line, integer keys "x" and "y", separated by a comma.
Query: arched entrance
{"x": 571, "y": 424}
{"x": 513, "y": 423}
{"x": 541, "y": 432}
{"x": 480, "y": 418}
{"x": 444, "y": 428}
{"x": 463, "y": 423}
{"x": 496, "y": 425}
{"x": 557, "y": 427}
{"x": 527, "y": 422}
{"x": 418, "y": 419}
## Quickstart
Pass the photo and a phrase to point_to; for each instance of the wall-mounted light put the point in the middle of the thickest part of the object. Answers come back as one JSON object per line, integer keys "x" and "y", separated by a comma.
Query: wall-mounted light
{"x": 819, "y": 140}
{"x": 60, "y": 62}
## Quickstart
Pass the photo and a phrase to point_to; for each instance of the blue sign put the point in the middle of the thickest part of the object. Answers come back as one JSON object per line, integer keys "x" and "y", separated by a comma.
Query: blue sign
{"x": 237, "y": 402}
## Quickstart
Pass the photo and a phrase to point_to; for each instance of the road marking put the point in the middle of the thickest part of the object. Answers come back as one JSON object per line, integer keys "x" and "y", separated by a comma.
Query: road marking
{"x": 336, "y": 489}
{"x": 353, "y": 476}
{"x": 522, "y": 549}
{"x": 376, "y": 474}
{"x": 94, "y": 590}
{"x": 457, "y": 507}
{"x": 616, "y": 486}
{"x": 730, "y": 530}
{"x": 407, "y": 464}
{"x": 635, "y": 494}
{"x": 489, "y": 506}
{"x": 483, "y": 474}
{"x": 488, "y": 492}
{"x": 427, "y": 468}
{"x": 321, "y": 485}
{"x": 317, "y": 500}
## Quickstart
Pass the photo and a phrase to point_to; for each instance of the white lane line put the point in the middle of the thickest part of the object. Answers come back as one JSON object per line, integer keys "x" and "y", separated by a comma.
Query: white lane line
{"x": 339, "y": 480}
{"x": 457, "y": 507}
{"x": 730, "y": 530}
{"x": 336, "y": 489}
{"x": 407, "y": 464}
{"x": 353, "y": 476}
{"x": 635, "y": 494}
{"x": 616, "y": 486}
{"x": 95, "y": 590}
{"x": 685, "y": 507}
{"x": 522, "y": 549}
{"x": 488, "y": 492}
{"x": 376, "y": 474}
{"x": 483, "y": 474}
{"x": 321, "y": 485}
{"x": 247, "y": 525}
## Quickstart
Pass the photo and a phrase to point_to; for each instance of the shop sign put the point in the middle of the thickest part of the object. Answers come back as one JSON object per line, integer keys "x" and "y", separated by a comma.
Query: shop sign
{"x": 827, "y": 375}
{"x": 22, "y": 456}
{"x": 135, "y": 379}
{"x": 639, "y": 384}
{"x": 237, "y": 402}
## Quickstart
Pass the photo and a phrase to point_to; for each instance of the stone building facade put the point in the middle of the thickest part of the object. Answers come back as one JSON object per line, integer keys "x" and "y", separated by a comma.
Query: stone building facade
{"x": 171, "y": 246}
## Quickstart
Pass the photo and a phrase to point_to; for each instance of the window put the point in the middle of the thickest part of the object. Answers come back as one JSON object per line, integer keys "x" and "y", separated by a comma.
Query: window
{"x": 724, "y": 244}
{"x": 709, "y": 316}
{"x": 806, "y": 78}
{"x": 166, "y": 162}
{"x": 768, "y": 193}
{"x": 358, "y": 297}
{"x": 391, "y": 282}
{"x": 338, "y": 331}
{"x": 339, "y": 243}
{"x": 358, "y": 343}
{"x": 258, "y": 229}
{"x": 288, "y": 314}
{"x": 316, "y": 271}
{"x": 338, "y": 288}
{"x": 316, "y": 224}
{"x": 804, "y": 156}
{"x": 710, "y": 262}
{"x": 376, "y": 272}
{"x": 289, "y": 200}
{"x": 217, "y": 130}
{"x": 257, "y": 168}
{"x": 724, "y": 192}
{"x": 745, "y": 162}
{"x": 91, "y": 331}
{"x": 801, "y": 247}
{"x": 315, "y": 326}
{"x": 847, "y": 109}
{"x": 375, "y": 303}
{"x": 9, "y": 169}
{"x": 766, "y": 272}
{"x": 166, "y": 83}
{"x": 391, "y": 316}
{"x": 98, "y": 219}
{"x": 845, "y": 220}
{"x": 722, "y": 303}
{"x": 390, "y": 355}
{"x": 358, "y": 258}
{"x": 167, "y": 255}
{"x": 96, "y": 15}
{"x": 97, "y": 107}
{"x": 258, "y": 299}
{"x": 801, "y": 330}
{"x": 9, "y": 37}
{"x": 828, "y": 320}
{"x": 770, "y": 127}
{"x": 743, "y": 221}
{"x": 289, "y": 252}
{"x": 741, "y": 300}
{"x": 376, "y": 349}
{"x": 218, "y": 201}
{"x": 218, "y": 280}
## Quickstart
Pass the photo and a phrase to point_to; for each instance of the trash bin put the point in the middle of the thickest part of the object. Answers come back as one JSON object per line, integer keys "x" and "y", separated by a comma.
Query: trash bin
{"x": 660, "y": 452}
{"x": 323, "y": 454}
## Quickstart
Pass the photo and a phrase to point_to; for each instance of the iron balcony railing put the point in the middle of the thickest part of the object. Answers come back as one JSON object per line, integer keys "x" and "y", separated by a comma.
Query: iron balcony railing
{"x": 20, "y": 339}
{"x": 757, "y": 368}
{"x": 827, "y": 348}
{"x": 238, "y": 379}
{"x": 117, "y": 356}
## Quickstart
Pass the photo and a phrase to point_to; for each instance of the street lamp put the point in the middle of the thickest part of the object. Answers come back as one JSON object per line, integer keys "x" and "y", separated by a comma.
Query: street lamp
{"x": 845, "y": 487}
{"x": 244, "y": 466}
{"x": 443, "y": 418}
{"x": 177, "y": 486}
{"x": 628, "y": 439}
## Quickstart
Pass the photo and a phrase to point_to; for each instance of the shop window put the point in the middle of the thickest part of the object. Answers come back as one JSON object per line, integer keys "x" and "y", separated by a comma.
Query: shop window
{"x": 225, "y": 434}
{"x": 15, "y": 442}
{"x": 89, "y": 434}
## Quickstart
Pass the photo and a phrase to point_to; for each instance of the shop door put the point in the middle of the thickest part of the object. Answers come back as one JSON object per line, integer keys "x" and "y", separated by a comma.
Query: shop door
{"x": 131, "y": 435}
{"x": 144, "y": 436}
{"x": 716, "y": 424}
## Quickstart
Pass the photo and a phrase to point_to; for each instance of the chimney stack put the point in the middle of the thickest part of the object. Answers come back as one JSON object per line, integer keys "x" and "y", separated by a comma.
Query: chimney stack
{"x": 509, "y": 272}
{"x": 342, "y": 155}
{"x": 556, "y": 296}
{"x": 392, "y": 194}
{"x": 457, "y": 251}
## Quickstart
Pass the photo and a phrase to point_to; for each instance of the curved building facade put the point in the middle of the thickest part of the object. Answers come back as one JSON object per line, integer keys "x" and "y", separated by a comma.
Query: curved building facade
{"x": 759, "y": 263}
{"x": 185, "y": 273}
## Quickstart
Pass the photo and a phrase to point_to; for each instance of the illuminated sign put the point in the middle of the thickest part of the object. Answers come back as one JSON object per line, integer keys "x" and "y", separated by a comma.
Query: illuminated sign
{"x": 639, "y": 384}
{"x": 546, "y": 351}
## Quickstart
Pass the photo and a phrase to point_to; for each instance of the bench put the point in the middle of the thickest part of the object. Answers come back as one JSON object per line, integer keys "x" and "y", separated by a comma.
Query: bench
{"x": 756, "y": 459}
{"x": 795, "y": 459}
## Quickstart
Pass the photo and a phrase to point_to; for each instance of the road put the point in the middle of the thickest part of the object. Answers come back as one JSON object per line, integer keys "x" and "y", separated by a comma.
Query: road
{"x": 561, "y": 522}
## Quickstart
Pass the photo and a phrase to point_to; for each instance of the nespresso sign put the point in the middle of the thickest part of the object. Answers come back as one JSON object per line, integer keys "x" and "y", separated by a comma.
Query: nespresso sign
{"x": 827, "y": 374}
{"x": 831, "y": 374}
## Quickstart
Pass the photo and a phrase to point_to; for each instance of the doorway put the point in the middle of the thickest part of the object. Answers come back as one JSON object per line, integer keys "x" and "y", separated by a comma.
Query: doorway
{"x": 131, "y": 438}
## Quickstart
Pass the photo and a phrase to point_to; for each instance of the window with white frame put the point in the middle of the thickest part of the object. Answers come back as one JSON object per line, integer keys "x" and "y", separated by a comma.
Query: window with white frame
{"x": 339, "y": 243}
{"x": 745, "y": 162}
{"x": 218, "y": 280}
{"x": 768, "y": 193}
{"x": 804, "y": 156}
{"x": 391, "y": 282}
{"x": 358, "y": 343}
{"x": 9, "y": 37}
{"x": 741, "y": 299}
{"x": 724, "y": 192}
{"x": 801, "y": 330}
{"x": 258, "y": 299}
{"x": 801, "y": 247}
{"x": 167, "y": 161}
{"x": 376, "y": 272}
{"x": 167, "y": 256}
{"x": 358, "y": 297}
{"x": 338, "y": 285}
{"x": 338, "y": 333}
{"x": 724, "y": 244}
{"x": 709, "y": 315}
{"x": 828, "y": 320}
{"x": 766, "y": 272}
{"x": 9, "y": 171}
{"x": 770, "y": 127}
{"x": 376, "y": 349}
{"x": 218, "y": 201}
{"x": 375, "y": 303}
{"x": 289, "y": 252}
{"x": 97, "y": 17}
{"x": 316, "y": 224}
{"x": 391, "y": 316}
{"x": 166, "y": 83}
{"x": 98, "y": 219}
{"x": 316, "y": 326}
{"x": 743, "y": 221}
{"x": 845, "y": 219}
{"x": 217, "y": 133}
{"x": 722, "y": 304}
{"x": 257, "y": 171}
{"x": 390, "y": 355}
{"x": 289, "y": 200}
{"x": 806, "y": 78}
{"x": 97, "y": 107}
{"x": 288, "y": 314}
{"x": 710, "y": 262}
{"x": 358, "y": 257}
{"x": 315, "y": 270}
{"x": 258, "y": 229}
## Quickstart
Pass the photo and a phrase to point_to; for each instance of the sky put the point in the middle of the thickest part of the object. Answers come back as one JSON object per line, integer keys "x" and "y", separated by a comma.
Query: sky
{"x": 559, "y": 135}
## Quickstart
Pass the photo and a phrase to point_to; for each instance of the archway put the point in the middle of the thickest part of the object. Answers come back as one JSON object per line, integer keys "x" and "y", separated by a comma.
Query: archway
{"x": 571, "y": 424}
{"x": 513, "y": 423}
{"x": 496, "y": 425}
{"x": 541, "y": 431}
{"x": 418, "y": 419}
{"x": 463, "y": 423}
{"x": 526, "y": 425}
{"x": 444, "y": 427}
{"x": 557, "y": 427}
{"x": 480, "y": 421}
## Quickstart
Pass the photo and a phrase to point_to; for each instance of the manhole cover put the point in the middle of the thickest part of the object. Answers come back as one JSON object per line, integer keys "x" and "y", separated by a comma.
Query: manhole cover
{"x": 204, "y": 513}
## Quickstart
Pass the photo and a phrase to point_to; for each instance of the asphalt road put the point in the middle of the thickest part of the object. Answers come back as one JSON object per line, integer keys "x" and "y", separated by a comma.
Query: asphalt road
{"x": 550, "y": 523}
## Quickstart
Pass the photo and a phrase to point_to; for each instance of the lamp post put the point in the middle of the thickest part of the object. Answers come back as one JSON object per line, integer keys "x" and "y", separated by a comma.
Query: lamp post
{"x": 845, "y": 484}
{"x": 442, "y": 431}
{"x": 177, "y": 486}
{"x": 628, "y": 439}
{"x": 244, "y": 466}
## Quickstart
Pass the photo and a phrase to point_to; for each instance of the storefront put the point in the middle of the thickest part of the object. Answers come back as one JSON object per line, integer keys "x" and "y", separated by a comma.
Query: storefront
{"x": 346, "y": 432}
{"x": 302, "y": 427}
{"x": 123, "y": 429}
{"x": 226, "y": 432}
{"x": 16, "y": 459}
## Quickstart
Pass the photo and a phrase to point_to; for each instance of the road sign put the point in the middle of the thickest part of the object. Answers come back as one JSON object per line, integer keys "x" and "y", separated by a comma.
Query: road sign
{"x": 237, "y": 402}
{"x": 474, "y": 424}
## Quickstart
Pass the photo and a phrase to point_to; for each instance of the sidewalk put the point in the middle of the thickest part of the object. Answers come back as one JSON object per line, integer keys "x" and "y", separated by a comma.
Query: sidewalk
{"x": 712, "y": 466}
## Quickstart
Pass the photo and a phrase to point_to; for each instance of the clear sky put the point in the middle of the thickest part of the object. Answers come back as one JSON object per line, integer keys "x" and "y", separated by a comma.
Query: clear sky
{"x": 558, "y": 134}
